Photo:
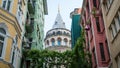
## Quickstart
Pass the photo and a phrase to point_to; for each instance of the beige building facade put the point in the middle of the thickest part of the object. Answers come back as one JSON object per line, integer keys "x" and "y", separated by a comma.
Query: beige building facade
{"x": 11, "y": 28}
{"x": 111, "y": 15}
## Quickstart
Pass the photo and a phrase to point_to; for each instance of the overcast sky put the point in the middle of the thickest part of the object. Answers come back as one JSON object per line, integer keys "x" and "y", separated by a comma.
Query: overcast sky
{"x": 66, "y": 6}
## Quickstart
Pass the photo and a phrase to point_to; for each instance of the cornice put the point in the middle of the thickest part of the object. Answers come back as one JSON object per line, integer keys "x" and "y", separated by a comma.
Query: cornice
{"x": 58, "y": 28}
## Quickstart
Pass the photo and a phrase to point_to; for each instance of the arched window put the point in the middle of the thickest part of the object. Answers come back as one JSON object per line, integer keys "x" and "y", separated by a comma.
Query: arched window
{"x": 47, "y": 42}
{"x": 64, "y": 33}
{"x": 53, "y": 33}
{"x": 53, "y": 41}
{"x": 65, "y": 41}
{"x": 2, "y": 38}
{"x": 59, "y": 41}
{"x": 67, "y": 34}
{"x": 59, "y": 33}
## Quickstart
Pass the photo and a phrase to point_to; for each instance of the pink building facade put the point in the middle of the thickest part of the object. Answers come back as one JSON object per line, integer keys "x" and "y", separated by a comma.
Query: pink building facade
{"x": 95, "y": 37}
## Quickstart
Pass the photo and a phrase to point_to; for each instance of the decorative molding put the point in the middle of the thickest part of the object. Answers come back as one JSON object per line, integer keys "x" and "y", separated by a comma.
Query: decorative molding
{"x": 15, "y": 24}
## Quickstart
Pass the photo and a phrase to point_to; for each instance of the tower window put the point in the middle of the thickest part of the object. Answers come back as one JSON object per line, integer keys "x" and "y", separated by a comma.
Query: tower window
{"x": 53, "y": 33}
{"x": 53, "y": 41}
{"x": 65, "y": 41}
{"x": 59, "y": 41}
{"x": 59, "y": 33}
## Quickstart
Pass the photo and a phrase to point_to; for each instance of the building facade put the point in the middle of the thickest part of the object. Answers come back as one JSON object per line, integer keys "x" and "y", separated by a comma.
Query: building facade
{"x": 111, "y": 15}
{"x": 95, "y": 37}
{"x": 38, "y": 33}
{"x": 58, "y": 38}
{"x": 11, "y": 14}
{"x": 34, "y": 26}
{"x": 75, "y": 26}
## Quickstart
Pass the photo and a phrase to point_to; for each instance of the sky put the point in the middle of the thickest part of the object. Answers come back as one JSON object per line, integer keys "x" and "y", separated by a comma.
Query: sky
{"x": 65, "y": 6}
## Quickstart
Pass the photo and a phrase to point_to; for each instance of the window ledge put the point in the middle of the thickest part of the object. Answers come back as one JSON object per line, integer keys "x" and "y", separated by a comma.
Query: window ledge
{"x": 106, "y": 61}
{"x": 100, "y": 32}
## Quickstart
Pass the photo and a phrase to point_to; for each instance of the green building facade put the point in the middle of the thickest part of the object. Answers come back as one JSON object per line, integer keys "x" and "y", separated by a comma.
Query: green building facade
{"x": 40, "y": 7}
{"x": 75, "y": 26}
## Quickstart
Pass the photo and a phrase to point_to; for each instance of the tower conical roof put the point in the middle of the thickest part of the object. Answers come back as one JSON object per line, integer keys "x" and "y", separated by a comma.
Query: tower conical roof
{"x": 59, "y": 21}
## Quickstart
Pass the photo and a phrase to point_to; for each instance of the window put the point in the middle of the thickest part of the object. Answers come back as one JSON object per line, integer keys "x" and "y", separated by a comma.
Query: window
{"x": 19, "y": 13}
{"x": 64, "y": 33}
{"x": 59, "y": 41}
{"x": 119, "y": 17}
{"x": 6, "y": 4}
{"x": 2, "y": 38}
{"x": 94, "y": 3}
{"x": 47, "y": 42}
{"x": 53, "y": 41}
{"x": 65, "y": 41}
{"x": 98, "y": 24}
{"x": 53, "y": 33}
{"x": 114, "y": 27}
{"x": 112, "y": 31}
{"x": 116, "y": 19}
{"x": 13, "y": 56}
{"x": 102, "y": 51}
{"x": 59, "y": 33}
{"x": 94, "y": 56}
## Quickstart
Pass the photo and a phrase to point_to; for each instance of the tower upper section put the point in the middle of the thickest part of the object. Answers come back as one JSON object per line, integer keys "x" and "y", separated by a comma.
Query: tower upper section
{"x": 59, "y": 21}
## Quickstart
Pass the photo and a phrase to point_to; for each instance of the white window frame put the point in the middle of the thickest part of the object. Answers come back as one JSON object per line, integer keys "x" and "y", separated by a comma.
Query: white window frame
{"x": 2, "y": 25}
{"x": 3, "y": 53}
{"x": 7, "y": 5}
